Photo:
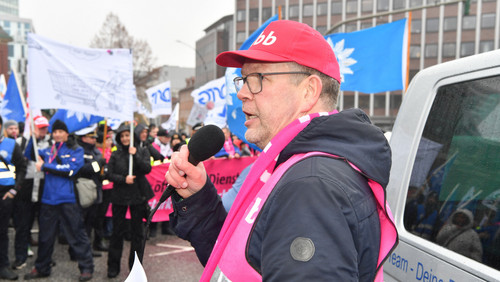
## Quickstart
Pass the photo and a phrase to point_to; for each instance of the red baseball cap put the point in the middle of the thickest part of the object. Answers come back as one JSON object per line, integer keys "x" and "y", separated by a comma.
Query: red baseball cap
{"x": 41, "y": 121}
{"x": 287, "y": 41}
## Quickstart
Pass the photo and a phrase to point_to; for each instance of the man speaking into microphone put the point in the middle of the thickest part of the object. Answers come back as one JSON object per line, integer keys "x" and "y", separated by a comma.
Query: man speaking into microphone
{"x": 313, "y": 206}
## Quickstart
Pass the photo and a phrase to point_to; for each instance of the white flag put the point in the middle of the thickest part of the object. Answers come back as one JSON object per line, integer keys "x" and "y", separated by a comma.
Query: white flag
{"x": 160, "y": 97}
{"x": 3, "y": 85}
{"x": 142, "y": 110}
{"x": 213, "y": 96}
{"x": 197, "y": 114}
{"x": 93, "y": 81}
{"x": 171, "y": 123}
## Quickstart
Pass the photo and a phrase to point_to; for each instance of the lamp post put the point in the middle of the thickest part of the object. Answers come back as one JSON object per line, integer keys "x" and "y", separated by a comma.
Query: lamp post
{"x": 198, "y": 54}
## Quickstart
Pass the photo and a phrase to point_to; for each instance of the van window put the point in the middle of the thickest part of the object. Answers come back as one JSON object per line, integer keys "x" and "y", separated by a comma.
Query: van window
{"x": 454, "y": 194}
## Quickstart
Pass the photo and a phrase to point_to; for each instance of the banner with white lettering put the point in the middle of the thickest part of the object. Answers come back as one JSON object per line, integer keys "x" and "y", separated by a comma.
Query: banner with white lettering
{"x": 212, "y": 95}
{"x": 93, "y": 81}
{"x": 160, "y": 97}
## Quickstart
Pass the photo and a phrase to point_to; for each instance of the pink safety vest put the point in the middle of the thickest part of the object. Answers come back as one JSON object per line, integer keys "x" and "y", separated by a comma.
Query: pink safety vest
{"x": 233, "y": 265}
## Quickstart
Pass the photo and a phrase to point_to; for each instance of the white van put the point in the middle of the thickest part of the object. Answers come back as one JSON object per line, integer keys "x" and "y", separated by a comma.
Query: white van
{"x": 444, "y": 189}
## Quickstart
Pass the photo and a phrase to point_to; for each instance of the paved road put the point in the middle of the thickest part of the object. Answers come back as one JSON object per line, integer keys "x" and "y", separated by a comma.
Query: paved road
{"x": 166, "y": 258}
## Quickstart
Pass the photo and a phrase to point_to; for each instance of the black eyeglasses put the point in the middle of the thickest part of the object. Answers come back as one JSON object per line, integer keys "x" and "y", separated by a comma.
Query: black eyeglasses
{"x": 254, "y": 80}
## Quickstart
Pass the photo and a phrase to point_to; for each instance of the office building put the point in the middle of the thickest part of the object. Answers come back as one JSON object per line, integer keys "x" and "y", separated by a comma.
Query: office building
{"x": 440, "y": 31}
{"x": 218, "y": 38}
{"x": 18, "y": 29}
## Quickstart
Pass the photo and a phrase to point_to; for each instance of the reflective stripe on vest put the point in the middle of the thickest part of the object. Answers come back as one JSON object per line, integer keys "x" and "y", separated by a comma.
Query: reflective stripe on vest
{"x": 7, "y": 176}
{"x": 233, "y": 265}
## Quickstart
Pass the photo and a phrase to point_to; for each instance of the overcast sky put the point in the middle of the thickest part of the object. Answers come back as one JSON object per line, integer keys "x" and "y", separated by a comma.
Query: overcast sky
{"x": 160, "y": 22}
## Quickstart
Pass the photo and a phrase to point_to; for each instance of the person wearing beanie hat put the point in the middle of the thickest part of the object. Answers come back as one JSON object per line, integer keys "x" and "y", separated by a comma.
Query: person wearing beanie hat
{"x": 58, "y": 124}
{"x": 321, "y": 174}
{"x": 11, "y": 129}
{"x": 162, "y": 143}
{"x": 60, "y": 163}
{"x": 12, "y": 175}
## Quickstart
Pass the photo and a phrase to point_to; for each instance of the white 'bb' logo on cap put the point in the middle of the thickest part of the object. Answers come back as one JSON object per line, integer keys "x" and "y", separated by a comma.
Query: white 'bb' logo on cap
{"x": 269, "y": 40}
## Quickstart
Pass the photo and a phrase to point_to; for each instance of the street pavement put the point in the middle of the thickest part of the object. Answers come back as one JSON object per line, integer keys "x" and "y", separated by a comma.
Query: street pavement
{"x": 166, "y": 258}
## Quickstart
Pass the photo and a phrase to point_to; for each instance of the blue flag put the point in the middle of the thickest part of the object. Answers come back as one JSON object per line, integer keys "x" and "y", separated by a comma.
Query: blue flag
{"x": 74, "y": 120}
{"x": 235, "y": 116}
{"x": 372, "y": 60}
{"x": 12, "y": 106}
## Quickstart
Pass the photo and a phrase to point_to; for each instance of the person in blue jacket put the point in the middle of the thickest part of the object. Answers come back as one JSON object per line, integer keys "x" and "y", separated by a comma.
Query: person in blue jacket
{"x": 60, "y": 163}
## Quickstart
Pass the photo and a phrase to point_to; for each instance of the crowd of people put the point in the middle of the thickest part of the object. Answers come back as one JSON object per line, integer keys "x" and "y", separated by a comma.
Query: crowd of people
{"x": 468, "y": 228}
{"x": 39, "y": 187}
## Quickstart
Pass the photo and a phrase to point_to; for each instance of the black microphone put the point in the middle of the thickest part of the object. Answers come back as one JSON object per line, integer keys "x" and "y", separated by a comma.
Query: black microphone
{"x": 205, "y": 143}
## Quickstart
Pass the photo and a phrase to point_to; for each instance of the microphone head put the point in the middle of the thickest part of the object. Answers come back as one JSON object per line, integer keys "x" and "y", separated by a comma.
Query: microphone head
{"x": 205, "y": 143}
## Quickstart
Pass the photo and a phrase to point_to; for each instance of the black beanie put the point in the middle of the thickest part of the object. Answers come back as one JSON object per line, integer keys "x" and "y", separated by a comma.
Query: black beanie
{"x": 58, "y": 124}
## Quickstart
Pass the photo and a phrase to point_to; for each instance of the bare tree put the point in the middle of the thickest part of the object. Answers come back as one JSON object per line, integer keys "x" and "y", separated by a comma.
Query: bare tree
{"x": 113, "y": 34}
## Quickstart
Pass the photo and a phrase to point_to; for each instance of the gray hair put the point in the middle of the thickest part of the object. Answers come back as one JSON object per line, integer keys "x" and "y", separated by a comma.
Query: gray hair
{"x": 329, "y": 92}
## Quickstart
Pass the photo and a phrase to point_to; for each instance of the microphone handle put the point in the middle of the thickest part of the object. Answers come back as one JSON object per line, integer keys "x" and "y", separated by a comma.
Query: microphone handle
{"x": 166, "y": 194}
{"x": 170, "y": 189}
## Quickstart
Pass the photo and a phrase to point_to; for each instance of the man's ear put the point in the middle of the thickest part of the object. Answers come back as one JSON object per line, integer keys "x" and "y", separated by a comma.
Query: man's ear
{"x": 312, "y": 87}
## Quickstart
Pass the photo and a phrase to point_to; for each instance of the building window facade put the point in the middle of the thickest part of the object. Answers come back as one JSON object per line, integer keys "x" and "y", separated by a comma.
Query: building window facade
{"x": 241, "y": 15}
{"x": 431, "y": 50}
{"x": 487, "y": 20}
{"x": 467, "y": 49}
{"x": 415, "y": 51}
{"x": 449, "y": 50}
{"x": 293, "y": 11}
{"x": 322, "y": 9}
{"x": 450, "y": 24}
{"x": 432, "y": 25}
{"x": 469, "y": 22}
{"x": 308, "y": 10}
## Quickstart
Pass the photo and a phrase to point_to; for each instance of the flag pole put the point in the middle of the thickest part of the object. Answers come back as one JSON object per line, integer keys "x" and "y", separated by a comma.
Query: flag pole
{"x": 131, "y": 159}
{"x": 105, "y": 134}
{"x": 408, "y": 53}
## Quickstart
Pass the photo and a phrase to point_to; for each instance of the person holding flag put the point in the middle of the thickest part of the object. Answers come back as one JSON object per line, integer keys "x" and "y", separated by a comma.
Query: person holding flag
{"x": 26, "y": 202}
{"x": 313, "y": 206}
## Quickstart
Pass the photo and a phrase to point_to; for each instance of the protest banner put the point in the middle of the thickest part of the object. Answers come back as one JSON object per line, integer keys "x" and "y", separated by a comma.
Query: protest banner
{"x": 92, "y": 81}
{"x": 222, "y": 173}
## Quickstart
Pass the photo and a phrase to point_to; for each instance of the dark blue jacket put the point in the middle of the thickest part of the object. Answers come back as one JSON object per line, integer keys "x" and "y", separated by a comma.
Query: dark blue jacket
{"x": 319, "y": 198}
{"x": 60, "y": 170}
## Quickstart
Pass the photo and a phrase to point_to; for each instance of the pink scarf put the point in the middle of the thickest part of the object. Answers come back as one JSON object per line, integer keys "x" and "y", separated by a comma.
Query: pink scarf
{"x": 229, "y": 147}
{"x": 259, "y": 174}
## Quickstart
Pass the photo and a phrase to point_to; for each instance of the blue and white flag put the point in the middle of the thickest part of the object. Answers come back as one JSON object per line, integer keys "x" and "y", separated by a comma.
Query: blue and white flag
{"x": 372, "y": 60}
{"x": 235, "y": 116}
{"x": 74, "y": 120}
{"x": 92, "y": 81}
{"x": 212, "y": 95}
{"x": 12, "y": 105}
{"x": 160, "y": 97}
